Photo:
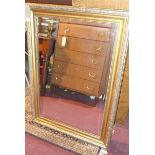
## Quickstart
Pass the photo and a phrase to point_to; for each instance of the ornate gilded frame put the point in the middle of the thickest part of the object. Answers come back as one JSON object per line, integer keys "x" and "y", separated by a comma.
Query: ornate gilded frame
{"x": 116, "y": 71}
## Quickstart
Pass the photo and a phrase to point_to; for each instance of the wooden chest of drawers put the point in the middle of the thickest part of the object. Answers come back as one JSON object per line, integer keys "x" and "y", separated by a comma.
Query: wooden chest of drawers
{"x": 82, "y": 65}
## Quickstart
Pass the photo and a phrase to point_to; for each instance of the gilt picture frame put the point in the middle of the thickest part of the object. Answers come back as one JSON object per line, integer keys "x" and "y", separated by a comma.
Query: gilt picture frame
{"x": 43, "y": 125}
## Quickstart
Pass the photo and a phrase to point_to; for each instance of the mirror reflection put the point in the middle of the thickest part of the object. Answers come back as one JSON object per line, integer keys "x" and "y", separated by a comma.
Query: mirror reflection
{"x": 73, "y": 68}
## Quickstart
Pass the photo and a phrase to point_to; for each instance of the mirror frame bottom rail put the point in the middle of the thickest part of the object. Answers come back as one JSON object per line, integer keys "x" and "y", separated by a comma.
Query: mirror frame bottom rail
{"x": 120, "y": 18}
{"x": 88, "y": 137}
{"x": 55, "y": 136}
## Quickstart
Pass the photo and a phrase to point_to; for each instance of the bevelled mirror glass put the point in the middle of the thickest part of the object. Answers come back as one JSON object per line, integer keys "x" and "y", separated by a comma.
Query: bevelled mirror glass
{"x": 77, "y": 64}
{"x": 74, "y": 60}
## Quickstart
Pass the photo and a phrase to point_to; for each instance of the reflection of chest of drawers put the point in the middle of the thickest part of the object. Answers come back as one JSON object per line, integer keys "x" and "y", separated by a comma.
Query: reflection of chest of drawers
{"x": 82, "y": 65}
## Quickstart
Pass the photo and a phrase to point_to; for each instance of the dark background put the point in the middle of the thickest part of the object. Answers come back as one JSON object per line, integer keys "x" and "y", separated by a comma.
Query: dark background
{"x": 60, "y": 2}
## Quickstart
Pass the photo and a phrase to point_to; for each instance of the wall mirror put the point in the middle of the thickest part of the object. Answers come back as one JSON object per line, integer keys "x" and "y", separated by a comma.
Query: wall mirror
{"x": 77, "y": 58}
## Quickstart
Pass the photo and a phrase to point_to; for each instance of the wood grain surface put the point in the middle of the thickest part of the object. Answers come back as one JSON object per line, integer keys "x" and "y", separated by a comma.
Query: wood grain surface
{"x": 110, "y": 4}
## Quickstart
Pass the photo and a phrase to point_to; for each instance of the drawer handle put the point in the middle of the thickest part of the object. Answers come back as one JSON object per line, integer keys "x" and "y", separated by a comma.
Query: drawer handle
{"x": 98, "y": 49}
{"x": 92, "y": 75}
{"x": 60, "y": 67}
{"x": 90, "y": 88}
{"x": 66, "y": 30}
{"x": 94, "y": 62}
{"x": 57, "y": 79}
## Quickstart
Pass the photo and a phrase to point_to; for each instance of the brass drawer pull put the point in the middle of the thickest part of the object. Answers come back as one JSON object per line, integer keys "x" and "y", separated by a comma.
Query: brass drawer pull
{"x": 98, "y": 49}
{"x": 92, "y": 75}
{"x": 58, "y": 79}
{"x": 90, "y": 88}
{"x": 60, "y": 67}
{"x": 94, "y": 62}
{"x": 66, "y": 30}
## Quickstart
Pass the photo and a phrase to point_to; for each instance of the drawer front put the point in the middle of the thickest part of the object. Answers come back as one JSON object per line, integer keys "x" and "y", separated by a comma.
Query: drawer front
{"x": 83, "y": 45}
{"x": 77, "y": 84}
{"x": 79, "y": 58}
{"x": 86, "y": 32}
{"x": 77, "y": 71}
